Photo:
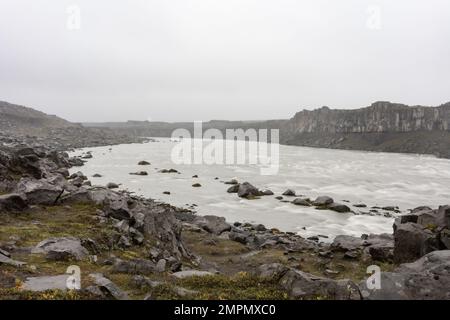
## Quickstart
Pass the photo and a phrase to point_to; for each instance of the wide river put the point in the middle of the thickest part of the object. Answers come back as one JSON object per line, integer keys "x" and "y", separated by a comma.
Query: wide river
{"x": 376, "y": 179}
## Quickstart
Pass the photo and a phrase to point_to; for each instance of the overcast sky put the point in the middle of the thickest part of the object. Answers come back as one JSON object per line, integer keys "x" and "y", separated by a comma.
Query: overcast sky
{"x": 184, "y": 60}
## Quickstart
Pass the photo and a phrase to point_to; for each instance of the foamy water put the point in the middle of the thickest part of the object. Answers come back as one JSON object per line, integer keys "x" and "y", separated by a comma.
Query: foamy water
{"x": 376, "y": 179}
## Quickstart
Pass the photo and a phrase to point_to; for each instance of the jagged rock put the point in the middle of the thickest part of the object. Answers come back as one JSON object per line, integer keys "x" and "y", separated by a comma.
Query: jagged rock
{"x": 233, "y": 188}
{"x": 61, "y": 249}
{"x": 118, "y": 209}
{"x": 443, "y": 217}
{"x": 345, "y": 243}
{"x": 79, "y": 175}
{"x": 246, "y": 190}
{"x": 122, "y": 226}
{"x": 289, "y": 193}
{"x": 39, "y": 191}
{"x": 212, "y": 224}
{"x": 301, "y": 202}
{"x": 108, "y": 288}
{"x": 307, "y": 286}
{"x": 338, "y": 207}
{"x": 412, "y": 241}
{"x": 241, "y": 237}
{"x": 428, "y": 278}
{"x": 323, "y": 201}
{"x": 444, "y": 238}
{"x": 380, "y": 247}
{"x": 12, "y": 202}
{"x": 191, "y": 273}
{"x": 272, "y": 271}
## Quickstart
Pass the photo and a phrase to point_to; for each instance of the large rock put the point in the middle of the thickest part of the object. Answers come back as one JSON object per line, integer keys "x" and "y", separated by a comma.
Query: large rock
{"x": 39, "y": 191}
{"x": 428, "y": 278}
{"x": 443, "y": 217}
{"x": 44, "y": 283}
{"x": 301, "y": 202}
{"x": 323, "y": 201}
{"x": 412, "y": 241}
{"x": 136, "y": 266}
{"x": 233, "y": 189}
{"x": 61, "y": 249}
{"x": 380, "y": 247}
{"x": 302, "y": 285}
{"x": 289, "y": 193}
{"x": 346, "y": 243}
{"x": 338, "y": 207}
{"x": 107, "y": 287}
{"x": 12, "y": 202}
{"x": 246, "y": 190}
{"x": 212, "y": 224}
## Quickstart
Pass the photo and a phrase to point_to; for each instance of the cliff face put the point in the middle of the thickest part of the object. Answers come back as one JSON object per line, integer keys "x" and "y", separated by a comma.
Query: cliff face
{"x": 384, "y": 126}
{"x": 379, "y": 117}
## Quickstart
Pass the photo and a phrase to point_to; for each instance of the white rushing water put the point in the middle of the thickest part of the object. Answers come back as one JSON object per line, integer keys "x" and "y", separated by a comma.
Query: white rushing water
{"x": 376, "y": 179}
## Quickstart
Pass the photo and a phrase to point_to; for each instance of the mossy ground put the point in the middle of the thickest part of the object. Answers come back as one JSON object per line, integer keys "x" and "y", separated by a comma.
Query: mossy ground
{"x": 235, "y": 261}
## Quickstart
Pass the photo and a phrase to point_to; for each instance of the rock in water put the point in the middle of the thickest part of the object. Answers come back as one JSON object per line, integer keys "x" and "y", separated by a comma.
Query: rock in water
{"x": 143, "y": 163}
{"x": 112, "y": 185}
{"x": 301, "y": 202}
{"x": 339, "y": 207}
{"x": 266, "y": 192}
{"x": 246, "y": 190}
{"x": 233, "y": 188}
{"x": 140, "y": 173}
{"x": 289, "y": 193}
{"x": 323, "y": 201}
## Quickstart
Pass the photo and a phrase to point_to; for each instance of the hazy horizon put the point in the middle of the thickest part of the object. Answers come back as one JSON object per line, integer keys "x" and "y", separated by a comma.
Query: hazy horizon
{"x": 187, "y": 60}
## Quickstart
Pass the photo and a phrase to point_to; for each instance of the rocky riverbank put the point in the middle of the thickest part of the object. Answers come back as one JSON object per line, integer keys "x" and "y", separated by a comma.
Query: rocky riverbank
{"x": 129, "y": 247}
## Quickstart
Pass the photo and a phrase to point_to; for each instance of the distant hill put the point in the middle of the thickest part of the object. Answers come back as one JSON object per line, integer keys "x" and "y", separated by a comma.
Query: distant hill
{"x": 19, "y": 124}
{"x": 382, "y": 126}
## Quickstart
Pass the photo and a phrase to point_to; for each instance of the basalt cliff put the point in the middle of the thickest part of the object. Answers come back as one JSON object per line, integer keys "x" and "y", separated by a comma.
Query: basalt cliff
{"x": 383, "y": 126}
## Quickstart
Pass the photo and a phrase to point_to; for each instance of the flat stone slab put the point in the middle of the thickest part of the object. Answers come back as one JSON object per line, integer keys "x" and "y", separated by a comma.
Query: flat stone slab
{"x": 46, "y": 283}
{"x": 6, "y": 260}
{"x": 191, "y": 273}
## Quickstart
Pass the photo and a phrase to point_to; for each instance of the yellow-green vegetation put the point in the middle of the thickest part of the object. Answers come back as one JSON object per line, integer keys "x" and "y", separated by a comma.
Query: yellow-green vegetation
{"x": 220, "y": 287}
{"x": 40, "y": 223}
{"x": 235, "y": 261}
